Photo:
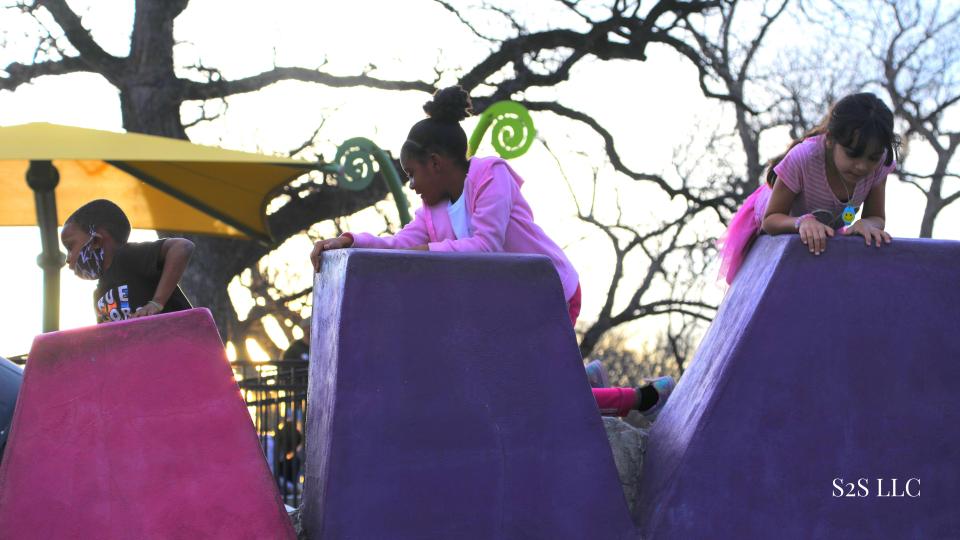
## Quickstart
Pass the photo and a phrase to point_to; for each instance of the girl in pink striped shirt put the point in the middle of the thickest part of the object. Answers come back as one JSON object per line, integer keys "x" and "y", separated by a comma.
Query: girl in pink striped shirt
{"x": 816, "y": 188}
{"x": 475, "y": 205}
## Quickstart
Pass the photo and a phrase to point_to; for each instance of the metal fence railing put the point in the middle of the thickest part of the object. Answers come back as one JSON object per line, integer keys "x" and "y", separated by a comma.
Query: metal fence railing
{"x": 276, "y": 396}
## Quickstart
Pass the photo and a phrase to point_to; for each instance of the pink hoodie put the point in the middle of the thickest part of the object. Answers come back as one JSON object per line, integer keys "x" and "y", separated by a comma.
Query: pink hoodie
{"x": 500, "y": 221}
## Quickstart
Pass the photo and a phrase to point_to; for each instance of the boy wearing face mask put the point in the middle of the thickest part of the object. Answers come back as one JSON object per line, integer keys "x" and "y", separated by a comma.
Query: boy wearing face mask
{"x": 135, "y": 279}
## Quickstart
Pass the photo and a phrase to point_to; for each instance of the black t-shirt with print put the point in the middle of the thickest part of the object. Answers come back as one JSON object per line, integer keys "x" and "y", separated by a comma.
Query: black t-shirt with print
{"x": 130, "y": 282}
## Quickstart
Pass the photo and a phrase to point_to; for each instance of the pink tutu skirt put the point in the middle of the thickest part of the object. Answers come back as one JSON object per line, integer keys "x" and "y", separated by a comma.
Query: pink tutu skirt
{"x": 742, "y": 231}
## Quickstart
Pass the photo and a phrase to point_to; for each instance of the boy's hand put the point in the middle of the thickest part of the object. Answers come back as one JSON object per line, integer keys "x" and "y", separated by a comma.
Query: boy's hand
{"x": 150, "y": 308}
{"x": 814, "y": 234}
{"x": 869, "y": 232}
{"x": 339, "y": 242}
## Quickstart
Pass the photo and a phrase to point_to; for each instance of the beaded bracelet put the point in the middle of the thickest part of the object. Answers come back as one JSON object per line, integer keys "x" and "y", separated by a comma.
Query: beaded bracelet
{"x": 796, "y": 224}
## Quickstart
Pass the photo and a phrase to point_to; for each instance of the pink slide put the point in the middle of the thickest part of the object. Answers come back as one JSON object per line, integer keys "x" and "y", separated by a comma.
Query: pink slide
{"x": 135, "y": 429}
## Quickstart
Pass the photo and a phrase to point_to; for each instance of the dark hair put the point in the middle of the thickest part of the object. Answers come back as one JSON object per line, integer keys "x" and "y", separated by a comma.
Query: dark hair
{"x": 853, "y": 122}
{"x": 102, "y": 213}
{"x": 441, "y": 131}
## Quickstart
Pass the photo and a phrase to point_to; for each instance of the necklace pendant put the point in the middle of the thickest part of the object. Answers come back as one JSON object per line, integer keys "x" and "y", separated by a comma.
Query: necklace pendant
{"x": 848, "y": 215}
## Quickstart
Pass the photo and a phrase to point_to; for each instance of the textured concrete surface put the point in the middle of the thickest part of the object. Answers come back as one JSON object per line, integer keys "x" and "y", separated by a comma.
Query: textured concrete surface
{"x": 135, "y": 429}
{"x": 818, "y": 372}
{"x": 448, "y": 400}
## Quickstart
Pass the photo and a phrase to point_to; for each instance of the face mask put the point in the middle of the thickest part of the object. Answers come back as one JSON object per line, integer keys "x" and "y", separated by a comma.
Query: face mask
{"x": 89, "y": 263}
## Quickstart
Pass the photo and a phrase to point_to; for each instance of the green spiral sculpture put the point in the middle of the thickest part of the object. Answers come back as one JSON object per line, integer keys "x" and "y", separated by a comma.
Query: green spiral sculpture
{"x": 357, "y": 162}
{"x": 513, "y": 130}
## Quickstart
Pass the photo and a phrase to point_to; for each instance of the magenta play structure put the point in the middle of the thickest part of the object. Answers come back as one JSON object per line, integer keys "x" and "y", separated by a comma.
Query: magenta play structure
{"x": 447, "y": 400}
{"x": 823, "y": 402}
{"x": 135, "y": 429}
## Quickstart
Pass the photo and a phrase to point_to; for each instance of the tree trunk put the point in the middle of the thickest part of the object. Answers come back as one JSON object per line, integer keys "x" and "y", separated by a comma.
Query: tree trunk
{"x": 751, "y": 147}
{"x": 150, "y": 107}
{"x": 930, "y": 213}
{"x": 216, "y": 261}
{"x": 592, "y": 336}
{"x": 935, "y": 201}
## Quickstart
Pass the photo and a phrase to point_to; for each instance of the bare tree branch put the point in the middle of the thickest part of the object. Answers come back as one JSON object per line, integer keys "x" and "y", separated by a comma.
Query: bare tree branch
{"x": 611, "y": 150}
{"x": 18, "y": 74}
{"x": 192, "y": 90}
{"x": 921, "y": 92}
{"x": 90, "y": 51}
{"x": 309, "y": 142}
{"x": 573, "y": 5}
{"x": 465, "y": 22}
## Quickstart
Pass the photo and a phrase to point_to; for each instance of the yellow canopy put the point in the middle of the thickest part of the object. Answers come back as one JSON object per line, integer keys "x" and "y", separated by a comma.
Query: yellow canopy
{"x": 161, "y": 183}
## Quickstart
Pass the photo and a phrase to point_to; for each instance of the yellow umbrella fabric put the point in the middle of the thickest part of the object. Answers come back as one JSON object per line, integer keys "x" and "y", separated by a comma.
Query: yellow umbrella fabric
{"x": 161, "y": 183}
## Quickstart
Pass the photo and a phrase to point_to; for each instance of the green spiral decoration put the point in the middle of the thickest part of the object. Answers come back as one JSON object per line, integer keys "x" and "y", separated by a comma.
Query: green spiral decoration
{"x": 513, "y": 130}
{"x": 355, "y": 164}
{"x": 355, "y": 170}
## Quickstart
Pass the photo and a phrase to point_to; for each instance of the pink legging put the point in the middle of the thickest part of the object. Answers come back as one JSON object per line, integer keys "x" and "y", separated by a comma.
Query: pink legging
{"x": 615, "y": 401}
{"x": 610, "y": 401}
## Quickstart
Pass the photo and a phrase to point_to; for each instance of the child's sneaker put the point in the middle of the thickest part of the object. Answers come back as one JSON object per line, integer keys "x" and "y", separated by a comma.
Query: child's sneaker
{"x": 597, "y": 375}
{"x": 664, "y": 387}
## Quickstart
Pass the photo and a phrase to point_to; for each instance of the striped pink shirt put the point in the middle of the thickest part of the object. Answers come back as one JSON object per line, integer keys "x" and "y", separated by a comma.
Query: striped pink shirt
{"x": 804, "y": 171}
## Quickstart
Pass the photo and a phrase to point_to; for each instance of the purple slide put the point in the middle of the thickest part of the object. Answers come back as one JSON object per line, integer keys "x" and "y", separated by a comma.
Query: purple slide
{"x": 447, "y": 400}
{"x": 822, "y": 403}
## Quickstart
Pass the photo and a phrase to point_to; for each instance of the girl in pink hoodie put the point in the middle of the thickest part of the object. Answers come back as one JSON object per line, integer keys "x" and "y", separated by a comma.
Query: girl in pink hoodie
{"x": 468, "y": 205}
{"x": 475, "y": 205}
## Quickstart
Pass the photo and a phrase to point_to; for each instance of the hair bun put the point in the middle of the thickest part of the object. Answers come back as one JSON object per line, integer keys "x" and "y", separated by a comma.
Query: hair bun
{"x": 451, "y": 104}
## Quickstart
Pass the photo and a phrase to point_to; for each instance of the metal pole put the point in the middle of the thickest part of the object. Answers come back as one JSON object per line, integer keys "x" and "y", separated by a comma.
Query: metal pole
{"x": 393, "y": 182}
{"x": 43, "y": 177}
